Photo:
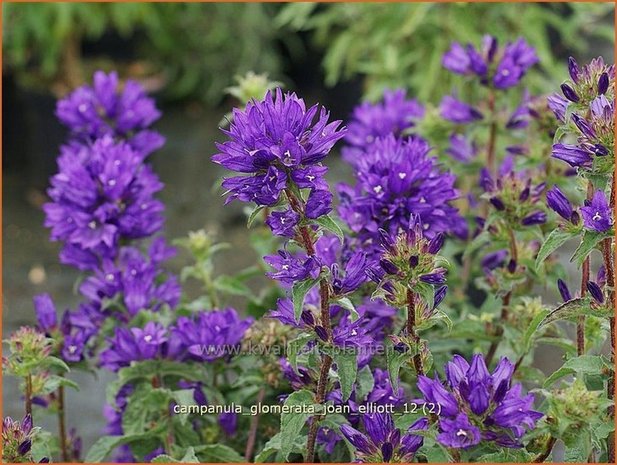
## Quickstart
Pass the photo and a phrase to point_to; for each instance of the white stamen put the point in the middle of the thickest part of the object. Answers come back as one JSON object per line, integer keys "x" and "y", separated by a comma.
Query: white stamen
{"x": 597, "y": 216}
{"x": 461, "y": 432}
{"x": 402, "y": 175}
{"x": 377, "y": 189}
{"x": 147, "y": 338}
{"x": 92, "y": 225}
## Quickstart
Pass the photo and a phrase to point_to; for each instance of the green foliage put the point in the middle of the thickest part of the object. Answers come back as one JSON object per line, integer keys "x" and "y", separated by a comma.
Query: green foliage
{"x": 195, "y": 48}
{"x": 386, "y": 44}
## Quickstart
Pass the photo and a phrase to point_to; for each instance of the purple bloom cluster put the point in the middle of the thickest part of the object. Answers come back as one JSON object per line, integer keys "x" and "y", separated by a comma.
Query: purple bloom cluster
{"x": 499, "y": 68}
{"x": 275, "y": 142}
{"x": 394, "y": 115}
{"x": 513, "y": 193}
{"x": 395, "y": 179}
{"x": 383, "y": 442}
{"x": 477, "y": 405}
{"x": 103, "y": 193}
{"x": 206, "y": 337}
{"x": 590, "y": 91}
{"x": 108, "y": 109}
{"x": 17, "y": 440}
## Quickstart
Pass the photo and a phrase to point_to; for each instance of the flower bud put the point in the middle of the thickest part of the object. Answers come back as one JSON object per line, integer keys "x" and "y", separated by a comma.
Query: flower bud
{"x": 436, "y": 243}
{"x": 563, "y": 290}
{"x": 497, "y": 203}
{"x": 573, "y": 69}
{"x": 388, "y": 266}
{"x": 603, "y": 83}
{"x": 538, "y": 217}
{"x": 321, "y": 332}
{"x": 569, "y": 93}
{"x": 595, "y": 291}
{"x": 413, "y": 261}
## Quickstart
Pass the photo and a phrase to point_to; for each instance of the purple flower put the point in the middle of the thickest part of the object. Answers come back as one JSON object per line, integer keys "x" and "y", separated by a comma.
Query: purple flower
{"x": 297, "y": 380}
{"x": 273, "y": 141}
{"x": 74, "y": 345}
{"x": 371, "y": 121}
{"x": 458, "y": 112}
{"x": 355, "y": 274}
{"x": 128, "y": 345}
{"x": 458, "y": 433}
{"x": 434, "y": 278}
{"x": 352, "y": 334}
{"x": 534, "y": 218}
{"x": 290, "y": 269}
{"x": 395, "y": 179}
{"x": 517, "y": 58}
{"x": 597, "y": 215}
{"x": 558, "y": 105}
{"x": 208, "y": 335}
{"x": 382, "y": 393}
{"x": 17, "y": 440}
{"x": 45, "y": 312}
{"x": 102, "y": 193}
{"x": 461, "y": 149}
{"x": 572, "y": 155}
{"x": 137, "y": 279}
{"x": 328, "y": 438}
{"x": 104, "y": 109}
{"x": 283, "y": 223}
{"x": 559, "y": 203}
{"x": 284, "y": 312}
{"x": 383, "y": 442}
{"x": 319, "y": 203}
{"x": 229, "y": 423}
{"x": 476, "y": 403}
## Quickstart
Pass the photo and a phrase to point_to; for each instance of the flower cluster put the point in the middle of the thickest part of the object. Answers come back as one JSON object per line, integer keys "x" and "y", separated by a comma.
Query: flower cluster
{"x": 397, "y": 178}
{"x": 206, "y": 337}
{"x": 394, "y": 115}
{"x": 102, "y": 194}
{"x": 276, "y": 143}
{"x": 589, "y": 103}
{"x": 108, "y": 109}
{"x": 477, "y": 405}
{"x": 514, "y": 195}
{"x": 499, "y": 68}
{"x": 409, "y": 262}
{"x": 17, "y": 441}
{"x": 383, "y": 442}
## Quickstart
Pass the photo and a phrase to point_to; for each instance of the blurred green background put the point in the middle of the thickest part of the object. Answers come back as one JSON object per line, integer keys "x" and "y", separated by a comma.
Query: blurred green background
{"x": 188, "y": 55}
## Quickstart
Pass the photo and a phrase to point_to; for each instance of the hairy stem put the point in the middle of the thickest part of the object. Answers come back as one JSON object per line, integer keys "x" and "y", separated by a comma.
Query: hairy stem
{"x": 62, "y": 425}
{"x": 411, "y": 330}
{"x": 580, "y": 324}
{"x": 608, "y": 258}
{"x": 547, "y": 452}
{"x": 28, "y": 395}
{"x": 324, "y": 317}
{"x": 505, "y": 304}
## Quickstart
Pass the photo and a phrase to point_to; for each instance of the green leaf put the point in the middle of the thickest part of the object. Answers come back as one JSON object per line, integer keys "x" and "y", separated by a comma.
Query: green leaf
{"x": 256, "y": 211}
{"x": 164, "y": 458}
{"x": 589, "y": 242}
{"x": 366, "y": 382}
{"x": 292, "y": 423}
{"x": 427, "y": 292}
{"x": 53, "y": 382}
{"x": 103, "y": 447}
{"x": 347, "y": 304}
{"x": 346, "y": 368}
{"x": 570, "y": 309}
{"x": 554, "y": 240}
{"x": 217, "y": 453}
{"x": 582, "y": 365}
{"x": 231, "y": 285}
{"x": 294, "y": 347}
{"x": 329, "y": 224}
{"x": 530, "y": 332}
{"x": 395, "y": 361}
{"x": 55, "y": 362}
{"x": 271, "y": 447}
{"x": 298, "y": 292}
